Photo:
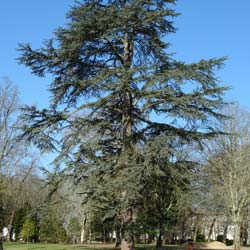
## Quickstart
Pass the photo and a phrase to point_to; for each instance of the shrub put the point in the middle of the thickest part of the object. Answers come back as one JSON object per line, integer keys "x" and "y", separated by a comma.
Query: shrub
{"x": 200, "y": 238}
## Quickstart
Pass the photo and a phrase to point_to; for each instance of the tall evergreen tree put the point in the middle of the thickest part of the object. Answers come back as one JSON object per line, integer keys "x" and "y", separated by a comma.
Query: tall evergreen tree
{"x": 115, "y": 89}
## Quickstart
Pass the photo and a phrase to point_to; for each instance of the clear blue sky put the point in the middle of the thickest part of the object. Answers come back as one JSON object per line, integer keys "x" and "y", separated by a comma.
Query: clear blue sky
{"x": 206, "y": 28}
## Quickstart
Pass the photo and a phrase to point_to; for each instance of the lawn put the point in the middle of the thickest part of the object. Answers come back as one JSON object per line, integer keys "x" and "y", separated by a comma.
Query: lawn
{"x": 38, "y": 246}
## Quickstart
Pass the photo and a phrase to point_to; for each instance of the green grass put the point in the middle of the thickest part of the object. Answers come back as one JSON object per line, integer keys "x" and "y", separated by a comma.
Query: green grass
{"x": 38, "y": 246}
{"x": 42, "y": 246}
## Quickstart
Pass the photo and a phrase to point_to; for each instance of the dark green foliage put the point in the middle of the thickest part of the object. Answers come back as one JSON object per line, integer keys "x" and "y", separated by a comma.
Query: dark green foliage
{"x": 20, "y": 218}
{"x": 164, "y": 185}
{"x": 229, "y": 242}
{"x": 201, "y": 238}
{"x": 118, "y": 100}
{"x": 51, "y": 229}
{"x": 2, "y": 215}
{"x": 220, "y": 238}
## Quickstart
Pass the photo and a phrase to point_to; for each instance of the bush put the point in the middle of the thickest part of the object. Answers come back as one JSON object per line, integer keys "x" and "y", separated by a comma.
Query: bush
{"x": 200, "y": 238}
{"x": 229, "y": 242}
{"x": 220, "y": 238}
{"x": 28, "y": 230}
{"x": 52, "y": 230}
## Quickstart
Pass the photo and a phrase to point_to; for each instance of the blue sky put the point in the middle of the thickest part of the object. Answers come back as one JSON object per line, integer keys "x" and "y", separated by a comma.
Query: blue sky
{"x": 206, "y": 29}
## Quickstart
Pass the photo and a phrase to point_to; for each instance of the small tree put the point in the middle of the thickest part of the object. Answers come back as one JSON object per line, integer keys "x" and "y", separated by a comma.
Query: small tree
{"x": 28, "y": 230}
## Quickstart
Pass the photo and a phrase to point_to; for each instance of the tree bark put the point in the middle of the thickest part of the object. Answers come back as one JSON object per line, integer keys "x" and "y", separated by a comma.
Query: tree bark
{"x": 127, "y": 242}
{"x": 236, "y": 236}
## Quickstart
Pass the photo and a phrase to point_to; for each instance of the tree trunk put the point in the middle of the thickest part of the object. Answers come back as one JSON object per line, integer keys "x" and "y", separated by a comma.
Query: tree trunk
{"x": 10, "y": 226}
{"x": 118, "y": 237}
{"x": 159, "y": 238}
{"x": 236, "y": 236}
{"x": 225, "y": 234}
{"x": 128, "y": 242}
{"x": 82, "y": 235}
{"x": 1, "y": 242}
{"x": 159, "y": 241}
{"x": 83, "y": 227}
{"x": 245, "y": 236}
{"x": 211, "y": 230}
{"x": 126, "y": 123}
{"x": 104, "y": 234}
{"x": 183, "y": 230}
{"x": 90, "y": 236}
{"x": 196, "y": 229}
{"x": 195, "y": 233}
{"x": 244, "y": 233}
{"x": 117, "y": 241}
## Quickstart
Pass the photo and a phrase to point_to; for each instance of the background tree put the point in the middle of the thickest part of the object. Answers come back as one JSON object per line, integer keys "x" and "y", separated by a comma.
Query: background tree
{"x": 228, "y": 168}
{"x": 115, "y": 88}
{"x": 51, "y": 227}
{"x": 17, "y": 162}
{"x": 8, "y": 111}
{"x": 22, "y": 189}
{"x": 74, "y": 229}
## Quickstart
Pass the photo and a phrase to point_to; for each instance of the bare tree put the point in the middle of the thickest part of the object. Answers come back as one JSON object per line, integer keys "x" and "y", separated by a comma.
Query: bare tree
{"x": 8, "y": 112}
{"x": 17, "y": 162}
{"x": 228, "y": 168}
